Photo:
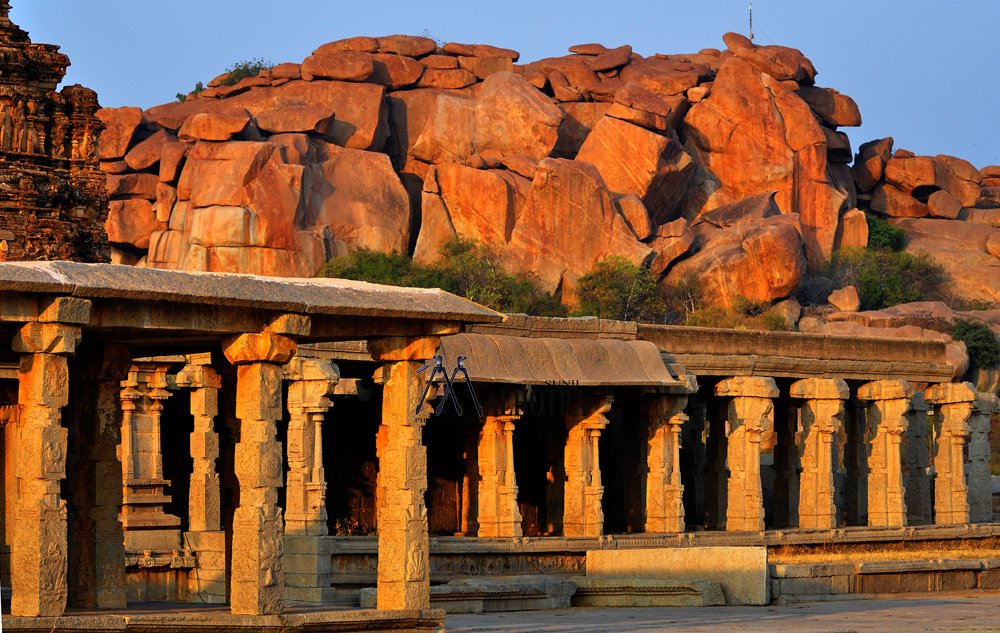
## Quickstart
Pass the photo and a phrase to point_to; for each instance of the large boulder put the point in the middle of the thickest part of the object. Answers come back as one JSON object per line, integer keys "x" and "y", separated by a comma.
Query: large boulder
{"x": 760, "y": 260}
{"x": 869, "y": 164}
{"x": 632, "y": 159}
{"x": 568, "y": 224}
{"x": 510, "y": 116}
{"x": 120, "y": 126}
{"x": 360, "y": 110}
{"x": 755, "y": 135}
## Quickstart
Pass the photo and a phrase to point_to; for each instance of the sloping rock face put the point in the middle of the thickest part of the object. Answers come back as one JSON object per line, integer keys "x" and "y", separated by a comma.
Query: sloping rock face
{"x": 53, "y": 203}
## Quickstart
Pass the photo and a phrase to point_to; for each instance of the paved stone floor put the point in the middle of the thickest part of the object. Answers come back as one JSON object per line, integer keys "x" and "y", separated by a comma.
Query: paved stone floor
{"x": 942, "y": 612}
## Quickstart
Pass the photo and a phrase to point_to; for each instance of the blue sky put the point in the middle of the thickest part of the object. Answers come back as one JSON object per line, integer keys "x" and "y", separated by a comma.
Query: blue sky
{"x": 926, "y": 73}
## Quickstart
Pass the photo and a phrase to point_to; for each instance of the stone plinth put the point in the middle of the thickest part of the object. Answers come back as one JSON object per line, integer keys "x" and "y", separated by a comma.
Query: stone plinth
{"x": 258, "y": 582}
{"x": 664, "y": 491}
{"x": 977, "y": 471}
{"x": 403, "y": 576}
{"x": 499, "y": 515}
{"x": 583, "y": 492}
{"x": 750, "y": 418}
{"x": 307, "y": 571}
{"x": 953, "y": 405}
{"x": 919, "y": 509}
{"x": 39, "y": 548}
{"x": 822, "y": 417}
{"x": 889, "y": 400}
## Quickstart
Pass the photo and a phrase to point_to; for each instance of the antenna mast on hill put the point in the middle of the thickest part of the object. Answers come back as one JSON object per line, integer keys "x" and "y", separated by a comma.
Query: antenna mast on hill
{"x": 751, "y": 20}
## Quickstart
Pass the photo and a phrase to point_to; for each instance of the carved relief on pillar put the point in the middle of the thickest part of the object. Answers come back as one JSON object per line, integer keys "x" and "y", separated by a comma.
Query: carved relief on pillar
{"x": 403, "y": 577}
{"x": 953, "y": 405}
{"x": 751, "y": 417}
{"x": 822, "y": 418}
{"x": 664, "y": 491}
{"x": 312, "y": 381}
{"x": 919, "y": 508}
{"x": 889, "y": 401}
{"x": 146, "y": 525}
{"x": 204, "y": 502}
{"x": 499, "y": 515}
{"x": 977, "y": 471}
{"x": 582, "y": 511}
{"x": 258, "y": 579}
{"x": 39, "y": 545}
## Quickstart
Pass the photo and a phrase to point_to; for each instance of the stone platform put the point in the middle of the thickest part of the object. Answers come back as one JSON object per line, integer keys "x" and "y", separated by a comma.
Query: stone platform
{"x": 169, "y": 618}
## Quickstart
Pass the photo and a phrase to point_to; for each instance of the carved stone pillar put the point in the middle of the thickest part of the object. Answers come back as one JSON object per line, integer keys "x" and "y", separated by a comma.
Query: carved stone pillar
{"x": 147, "y": 526}
{"x": 207, "y": 582}
{"x": 307, "y": 566}
{"x": 664, "y": 491}
{"x": 97, "y": 557}
{"x": 499, "y": 515}
{"x": 977, "y": 471}
{"x": 750, "y": 417}
{"x": 257, "y": 585}
{"x": 889, "y": 400}
{"x": 919, "y": 510}
{"x": 582, "y": 512}
{"x": 403, "y": 560}
{"x": 953, "y": 404}
{"x": 39, "y": 548}
{"x": 822, "y": 418}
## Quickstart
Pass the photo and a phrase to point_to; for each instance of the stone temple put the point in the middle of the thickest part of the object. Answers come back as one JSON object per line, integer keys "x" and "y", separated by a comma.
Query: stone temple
{"x": 53, "y": 200}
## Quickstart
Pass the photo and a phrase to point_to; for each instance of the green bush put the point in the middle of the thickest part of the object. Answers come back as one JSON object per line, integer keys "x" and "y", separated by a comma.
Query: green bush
{"x": 982, "y": 343}
{"x": 198, "y": 87}
{"x": 881, "y": 235}
{"x": 885, "y": 278}
{"x": 465, "y": 267}
{"x": 615, "y": 288}
{"x": 241, "y": 70}
{"x": 746, "y": 314}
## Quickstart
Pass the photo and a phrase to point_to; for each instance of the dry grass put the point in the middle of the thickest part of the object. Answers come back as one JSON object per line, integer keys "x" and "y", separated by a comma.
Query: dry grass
{"x": 900, "y": 550}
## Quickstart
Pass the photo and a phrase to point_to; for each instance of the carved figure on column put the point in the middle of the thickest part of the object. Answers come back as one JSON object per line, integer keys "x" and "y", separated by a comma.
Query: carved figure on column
{"x": 886, "y": 422}
{"x": 822, "y": 417}
{"x": 977, "y": 471}
{"x": 39, "y": 546}
{"x": 953, "y": 405}
{"x": 664, "y": 491}
{"x": 258, "y": 580}
{"x": 750, "y": 418}
{"x": 499, "y": 515}
{"x": 582, "y": 511}
{"x": 403, "y": 574}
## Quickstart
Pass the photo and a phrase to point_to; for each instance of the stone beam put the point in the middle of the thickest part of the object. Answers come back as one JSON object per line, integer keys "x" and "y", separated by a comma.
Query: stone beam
{"x": 953, "y": 405}
{"x": 822, "y": 413}
{"x": 889, "y": 400}
{"x": 39, "y": 547}
{"x": 403, "y": 569}
{"x": 257, "y": 585}
{"x": 751, "y": 416}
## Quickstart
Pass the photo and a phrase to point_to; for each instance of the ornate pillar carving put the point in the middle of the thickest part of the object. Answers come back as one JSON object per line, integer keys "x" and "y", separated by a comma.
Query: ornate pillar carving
{"x": 257, "y": 585}
{"x": 664, "y": 491}
{"x": 97, "y": 558}
{"x": 207, "y": 582}
{"x": 919, "y": 510}
{"x": 39, "y": 548}
{"x": 499, "y": 515}
{"x": 953, "y": 404}
{"x": 889, "y": 400}
{"x": 403, "y": 574}
{"x": 147, "y": 526}
{"x": 822, "y": 418}
{"x": 307, "y": 576}
{"x": 750, "y": 417}
{"x": 582, "y": 512}
{"x": 977, "y": 471}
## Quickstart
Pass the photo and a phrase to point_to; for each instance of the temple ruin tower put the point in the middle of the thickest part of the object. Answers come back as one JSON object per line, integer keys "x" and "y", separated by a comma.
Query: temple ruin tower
{"x": 53, "y": 200}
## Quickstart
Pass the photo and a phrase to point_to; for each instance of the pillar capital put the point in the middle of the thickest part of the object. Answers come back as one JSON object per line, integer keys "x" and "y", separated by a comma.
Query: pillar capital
{"x": 747, "y": 387}
{"x": 820, "y": 389}
{"x": 46, "y": 338}
{"x": 403, "y": 348}
{"x": 266, "y": 347}
{"x": 885, "y": 390}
